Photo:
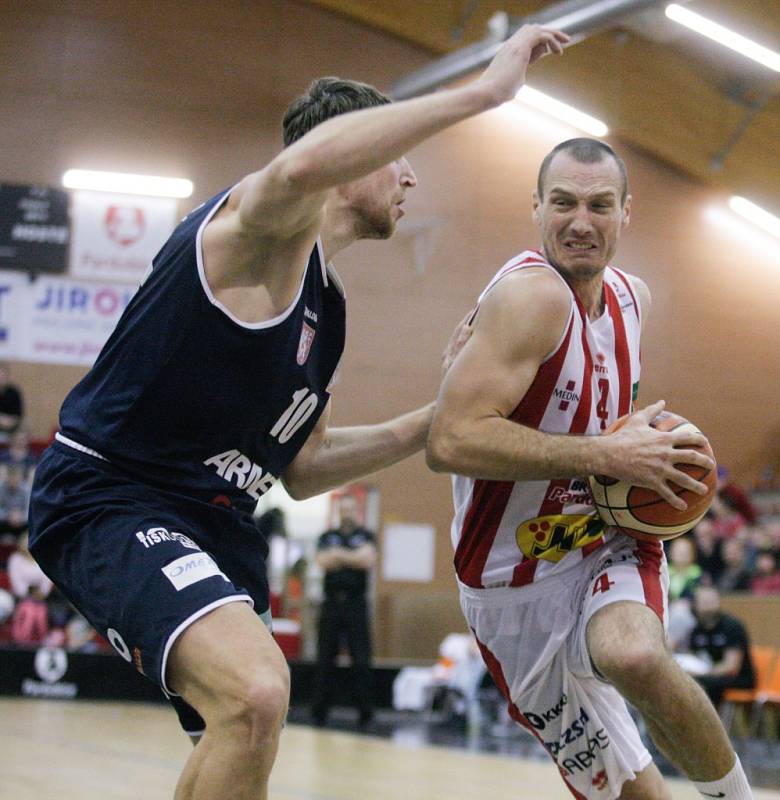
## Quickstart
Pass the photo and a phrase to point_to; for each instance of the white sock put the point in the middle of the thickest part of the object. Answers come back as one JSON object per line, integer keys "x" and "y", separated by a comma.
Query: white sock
{"x": 732, "y": 786}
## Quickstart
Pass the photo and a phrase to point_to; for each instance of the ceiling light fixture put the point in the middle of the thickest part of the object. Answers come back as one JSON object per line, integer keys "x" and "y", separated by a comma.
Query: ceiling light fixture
{"x": 149, "y": 185}
{"x": 755, "y": 214}
{"x": 722, "y": 35}
{"x": 562, "y": 111}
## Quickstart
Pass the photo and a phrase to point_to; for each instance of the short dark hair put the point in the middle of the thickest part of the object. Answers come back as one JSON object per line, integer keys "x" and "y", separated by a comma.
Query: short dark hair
{"x": 325, "y": 98}
{"x": 586, "y": 151}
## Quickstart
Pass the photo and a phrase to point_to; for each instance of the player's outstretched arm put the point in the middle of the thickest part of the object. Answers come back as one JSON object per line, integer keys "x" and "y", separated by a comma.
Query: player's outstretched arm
{"x": 287, "y": 195}
{"x": 332, "y": 457}
{"x": 518, "y": 326}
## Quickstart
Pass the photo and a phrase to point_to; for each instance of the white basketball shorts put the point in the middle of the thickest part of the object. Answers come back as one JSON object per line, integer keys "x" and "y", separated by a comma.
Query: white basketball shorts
{"x": 533, "y": 641}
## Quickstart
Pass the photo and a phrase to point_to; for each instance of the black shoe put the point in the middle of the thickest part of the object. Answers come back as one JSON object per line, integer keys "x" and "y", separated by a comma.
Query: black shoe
{"x": 319, "y": 717}
{"x": 365, "y": 719}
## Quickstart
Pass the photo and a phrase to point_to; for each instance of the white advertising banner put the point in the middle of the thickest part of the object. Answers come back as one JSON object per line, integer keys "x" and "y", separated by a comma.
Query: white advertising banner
{"x": 14, "y": 291}
{"x": 57, "y": 320}
{"x": 115, "y": 236}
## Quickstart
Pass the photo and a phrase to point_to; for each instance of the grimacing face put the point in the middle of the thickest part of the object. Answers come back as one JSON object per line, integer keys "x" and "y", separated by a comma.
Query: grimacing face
{"x": 377, "y": 198}
{"x": 580, "y": 215}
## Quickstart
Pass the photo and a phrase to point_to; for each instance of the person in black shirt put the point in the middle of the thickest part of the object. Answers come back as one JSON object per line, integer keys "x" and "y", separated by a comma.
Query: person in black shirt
{"x": 725, "y": 641}
{"x": 346, "y": 554}
{"x": 11, "y": 405}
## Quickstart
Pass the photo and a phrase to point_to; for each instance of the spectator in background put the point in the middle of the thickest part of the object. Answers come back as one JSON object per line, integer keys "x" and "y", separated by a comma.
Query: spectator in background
{"x": 295, "y": 590}
{"x": 346, "y": 554}
{"x": 14, "y": 502}
{"x": 728, "y": 506}
{"x": 735, "y": 497}
{"x": 31, "y": 587}
{"x": 708, "y": 550}
{"x": 24, "y": 574}
{"x": 767, "y": 577}
{"x": 735, "y": 576}
{"x": 11, "y": 404}
{"x": 684, "y": 572}
{"x": 18, "y": 454}
{"x": 723, "y": 641}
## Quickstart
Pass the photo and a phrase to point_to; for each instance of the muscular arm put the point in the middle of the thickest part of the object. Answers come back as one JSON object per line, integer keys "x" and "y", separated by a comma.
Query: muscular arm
{"x": 332, "y": 457}
{"x": 288, "y": 194}
{"x": 518, "y": 325}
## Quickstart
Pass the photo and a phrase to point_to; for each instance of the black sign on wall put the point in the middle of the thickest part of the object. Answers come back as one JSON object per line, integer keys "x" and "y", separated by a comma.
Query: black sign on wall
{"x": 34, "y": 228}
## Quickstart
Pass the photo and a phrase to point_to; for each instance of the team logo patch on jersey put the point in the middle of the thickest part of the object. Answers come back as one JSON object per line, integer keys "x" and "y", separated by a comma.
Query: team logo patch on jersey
{"x": 304, "y": 344}
{"x": 555, "y": 535}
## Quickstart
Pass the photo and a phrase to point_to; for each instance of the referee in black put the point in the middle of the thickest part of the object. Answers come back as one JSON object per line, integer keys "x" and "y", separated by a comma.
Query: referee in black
{"x": 346, "y": 554}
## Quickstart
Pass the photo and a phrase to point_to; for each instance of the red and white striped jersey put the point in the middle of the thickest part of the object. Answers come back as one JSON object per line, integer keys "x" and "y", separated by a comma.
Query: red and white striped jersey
{"x": 508, "y": 533}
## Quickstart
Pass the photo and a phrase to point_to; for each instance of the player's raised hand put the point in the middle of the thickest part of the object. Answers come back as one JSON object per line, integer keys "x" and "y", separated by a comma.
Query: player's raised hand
{"x": 506, "y": 72}
{"x": 648, "y": 457}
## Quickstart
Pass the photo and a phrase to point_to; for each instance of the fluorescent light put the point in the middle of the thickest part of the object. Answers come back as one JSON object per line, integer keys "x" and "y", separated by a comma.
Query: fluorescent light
{"x": 561, "y": 111}
{"x": 755, "y": 214}
{"x": 706, "y": 27}
{"x": 149, "y": 185}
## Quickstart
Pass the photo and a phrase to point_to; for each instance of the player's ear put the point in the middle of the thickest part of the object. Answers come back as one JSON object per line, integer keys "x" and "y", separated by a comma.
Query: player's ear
{"x": 537, "y": 206}
{"x": 627, "y": 211}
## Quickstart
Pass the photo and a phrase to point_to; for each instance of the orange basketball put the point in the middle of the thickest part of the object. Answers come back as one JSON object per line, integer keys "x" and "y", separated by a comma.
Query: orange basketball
{"x": 643, "y": 513}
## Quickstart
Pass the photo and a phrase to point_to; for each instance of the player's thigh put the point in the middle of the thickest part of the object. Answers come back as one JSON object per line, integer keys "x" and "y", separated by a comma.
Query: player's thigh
{"x": 138, "y": 575}
{"x": 623, "y": 610}
{"x": 228, "y": 659}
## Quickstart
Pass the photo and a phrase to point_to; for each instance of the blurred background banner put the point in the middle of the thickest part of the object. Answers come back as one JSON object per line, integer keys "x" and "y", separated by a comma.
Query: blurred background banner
{"x": 115, "y": 236}
{"x": 57, "y": 320}
{"x": 34, "y": 228}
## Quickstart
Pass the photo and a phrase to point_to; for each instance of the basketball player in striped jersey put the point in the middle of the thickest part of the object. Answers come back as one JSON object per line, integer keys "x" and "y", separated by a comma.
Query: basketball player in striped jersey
{"x": 568, "y": 614}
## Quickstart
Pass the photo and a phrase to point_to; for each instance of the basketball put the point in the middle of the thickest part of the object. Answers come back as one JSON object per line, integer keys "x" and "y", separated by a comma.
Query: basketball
{"x": 643, "y": 513}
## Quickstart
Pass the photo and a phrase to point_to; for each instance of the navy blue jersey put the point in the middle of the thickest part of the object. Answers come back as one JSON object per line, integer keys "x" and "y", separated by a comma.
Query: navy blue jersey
{"x": 186, "y": 398}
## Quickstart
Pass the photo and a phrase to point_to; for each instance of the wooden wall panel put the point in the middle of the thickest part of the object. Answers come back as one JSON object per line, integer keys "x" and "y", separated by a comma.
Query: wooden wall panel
{"x": 713, "y": 338}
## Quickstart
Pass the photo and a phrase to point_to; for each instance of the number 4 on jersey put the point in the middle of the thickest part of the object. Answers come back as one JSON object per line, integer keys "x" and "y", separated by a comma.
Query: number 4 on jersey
{"x": 602, "y": 584}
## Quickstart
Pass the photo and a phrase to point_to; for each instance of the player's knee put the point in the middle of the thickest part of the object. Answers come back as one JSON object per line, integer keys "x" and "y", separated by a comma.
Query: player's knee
{"x": 255, "y": 709}
{"x": 264, "y": 700}
{"x": 626, "y": 664}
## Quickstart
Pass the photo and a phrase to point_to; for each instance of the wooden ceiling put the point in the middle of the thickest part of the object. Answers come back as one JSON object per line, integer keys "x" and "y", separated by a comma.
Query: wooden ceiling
{"x": 690, "y": 102}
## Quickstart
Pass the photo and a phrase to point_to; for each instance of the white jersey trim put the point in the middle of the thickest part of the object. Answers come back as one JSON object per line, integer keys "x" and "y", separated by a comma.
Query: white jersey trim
{"x": 252, "y": 326}
{"x": 80, "y": 447}
{"x": 514, "y": 266}
{"x": 201, "y": 612}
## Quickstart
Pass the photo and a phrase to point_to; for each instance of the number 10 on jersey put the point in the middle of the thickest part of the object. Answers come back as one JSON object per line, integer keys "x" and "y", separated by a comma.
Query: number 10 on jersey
{"x": 304, "y": 401}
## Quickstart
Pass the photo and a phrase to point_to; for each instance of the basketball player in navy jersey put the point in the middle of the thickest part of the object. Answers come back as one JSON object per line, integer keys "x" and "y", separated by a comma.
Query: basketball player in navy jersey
{"x": 570, "y": 615}
{"x": 214, "y": 385}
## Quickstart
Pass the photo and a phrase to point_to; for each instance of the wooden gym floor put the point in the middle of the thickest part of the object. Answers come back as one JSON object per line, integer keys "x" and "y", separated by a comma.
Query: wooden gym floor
{"x": 58, "y": 750}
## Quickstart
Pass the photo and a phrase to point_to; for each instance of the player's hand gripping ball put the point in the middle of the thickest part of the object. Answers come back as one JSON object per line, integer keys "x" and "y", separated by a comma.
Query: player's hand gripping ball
{"x": 643, "y": 513}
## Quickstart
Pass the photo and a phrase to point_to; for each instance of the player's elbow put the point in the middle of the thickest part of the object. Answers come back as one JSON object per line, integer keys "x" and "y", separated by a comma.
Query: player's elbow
{"x": 441, "y": 450}
{"x": 298, "y": 171}
{"x": 298, "y": 487}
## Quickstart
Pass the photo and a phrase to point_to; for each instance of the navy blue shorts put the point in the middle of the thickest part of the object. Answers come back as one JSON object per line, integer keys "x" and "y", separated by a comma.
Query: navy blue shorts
{"x": 139, "y": 563}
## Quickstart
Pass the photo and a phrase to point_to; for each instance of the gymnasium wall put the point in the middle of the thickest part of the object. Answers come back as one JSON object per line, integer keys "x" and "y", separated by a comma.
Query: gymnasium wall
{"x": 176, "y": 89}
